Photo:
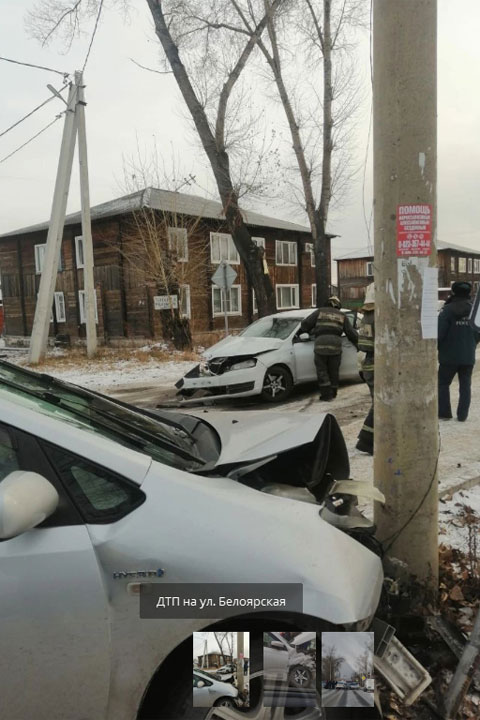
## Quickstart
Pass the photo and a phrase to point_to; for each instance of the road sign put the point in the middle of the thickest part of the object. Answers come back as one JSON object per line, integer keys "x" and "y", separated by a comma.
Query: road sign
{"x": 165, "y": 302}
{"x": 224, "y": 276}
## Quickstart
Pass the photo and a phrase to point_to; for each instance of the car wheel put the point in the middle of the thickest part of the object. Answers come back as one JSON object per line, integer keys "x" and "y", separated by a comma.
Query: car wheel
{"x": 300, "y": 677}
{"x": 277, "y": 384}
{"x": 224, "y": 702}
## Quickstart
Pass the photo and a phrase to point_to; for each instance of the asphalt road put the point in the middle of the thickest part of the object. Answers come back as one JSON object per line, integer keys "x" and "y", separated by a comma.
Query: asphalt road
{"x": 347, "y": 698}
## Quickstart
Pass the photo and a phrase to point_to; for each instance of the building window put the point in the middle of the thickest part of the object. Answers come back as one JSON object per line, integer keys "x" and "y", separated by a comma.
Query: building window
{"x": 40, "y": 259}
{"x": 309, "y": 249}
{"x": 80, "y": 251}
{"x": 452, "y": 264}
{"x": 178, "y": 242}
{"x": 369, "y": 269}
{"x": 259, "y": 242}
{"x": 287, "y": 297}
{"x": 476, "y": 266}
{"x": 469, "y": 263}
{"x": 60, "y": 314}
{"x": 254, "y": 303}
{"x": 314, "y": 294}
{"x": 233, "y": 298}
{"x": 81, "y": 300}
{"x": 222, "y": 247}
{"x": 285, "y": 252}
{"x": 184, "y": 301}
{"x": 462, "y": 265}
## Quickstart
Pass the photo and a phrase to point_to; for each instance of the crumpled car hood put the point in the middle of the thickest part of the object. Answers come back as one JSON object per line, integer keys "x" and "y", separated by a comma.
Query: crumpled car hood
{"x": 302, "y": 449}
{"x": 238, "y": 345}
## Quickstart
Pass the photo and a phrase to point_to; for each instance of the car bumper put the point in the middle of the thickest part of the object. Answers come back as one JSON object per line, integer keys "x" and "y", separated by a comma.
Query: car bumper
{"x": 240, "y": 383}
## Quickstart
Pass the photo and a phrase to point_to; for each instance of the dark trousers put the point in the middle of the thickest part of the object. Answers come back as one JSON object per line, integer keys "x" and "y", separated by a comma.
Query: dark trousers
{"x": 366, "y": 433}
{"x": 446, "y": 373}
{"x": 327, "y": 367}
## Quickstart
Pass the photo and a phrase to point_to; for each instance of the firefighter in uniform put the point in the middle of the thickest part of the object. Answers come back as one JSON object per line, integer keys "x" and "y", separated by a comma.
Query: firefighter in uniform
{"x": 327, "y": 324}
{"x": 366, "y": 344}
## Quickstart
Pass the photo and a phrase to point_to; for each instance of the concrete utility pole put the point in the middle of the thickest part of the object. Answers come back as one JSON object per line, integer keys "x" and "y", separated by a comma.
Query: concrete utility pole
{"x": 405, "y": 170}
{"x": 41, "y": 323}
{"x": 240, "y": 661}
{"x": 88, "y": 278}
{"x": 74, "y": 121}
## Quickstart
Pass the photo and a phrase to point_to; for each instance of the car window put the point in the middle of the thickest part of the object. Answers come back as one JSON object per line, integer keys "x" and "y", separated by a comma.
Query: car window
{"x": 197, "y": 678}
{"x": 271, "y": 327}
{"x": 9, "y": 461}
{"x": 99, "y": 494}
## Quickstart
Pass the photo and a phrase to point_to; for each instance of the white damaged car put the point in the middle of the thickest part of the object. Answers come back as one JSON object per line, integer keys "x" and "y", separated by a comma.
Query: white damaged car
{"x": 98, "y": 498}
{"x": 267, "y": 358}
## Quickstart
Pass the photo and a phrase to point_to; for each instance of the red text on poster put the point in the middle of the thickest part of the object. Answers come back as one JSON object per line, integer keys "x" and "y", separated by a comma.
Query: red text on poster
{"x": 414, "y": 230}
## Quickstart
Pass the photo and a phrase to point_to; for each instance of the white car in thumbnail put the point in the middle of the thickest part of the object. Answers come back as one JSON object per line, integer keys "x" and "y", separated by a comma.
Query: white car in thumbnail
{"x": 98, "y": 498}
{"x": 210, "y": 692}
{"x": 285, "y": 661}
{"x": 267, "y": 358}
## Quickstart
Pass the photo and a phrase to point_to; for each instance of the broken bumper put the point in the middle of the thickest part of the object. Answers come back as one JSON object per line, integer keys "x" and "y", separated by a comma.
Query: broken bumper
{"x": 240, "y": 383}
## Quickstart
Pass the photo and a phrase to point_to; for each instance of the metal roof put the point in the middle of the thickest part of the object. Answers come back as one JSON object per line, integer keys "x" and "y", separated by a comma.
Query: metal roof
{"x": 367, "y": 252}
{"x": 168, "y": 201}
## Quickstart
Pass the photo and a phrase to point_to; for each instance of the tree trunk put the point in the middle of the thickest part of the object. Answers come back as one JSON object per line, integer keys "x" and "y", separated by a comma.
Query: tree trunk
{"x": 219, "y": 161}
{"x": 322, "y": 273}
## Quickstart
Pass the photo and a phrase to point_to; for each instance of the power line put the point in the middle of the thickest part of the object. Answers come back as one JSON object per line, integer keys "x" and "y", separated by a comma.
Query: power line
{"x": 38, "y": 67}
{"x": 32, "y": 138}
{"x": 93, "y": 35}
{"x": 52, "y": 97}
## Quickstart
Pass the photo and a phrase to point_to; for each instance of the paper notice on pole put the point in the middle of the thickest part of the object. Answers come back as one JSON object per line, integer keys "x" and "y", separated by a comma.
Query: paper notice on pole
{"x": 429, "y": 314}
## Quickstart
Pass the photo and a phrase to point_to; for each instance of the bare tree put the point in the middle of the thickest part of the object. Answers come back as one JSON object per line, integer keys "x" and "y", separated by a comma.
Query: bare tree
{"x": 321, "y": 34}
{"x": 331, "y": 663}
{"x": 208, "y": 83}
{"x": 364, "y": 663}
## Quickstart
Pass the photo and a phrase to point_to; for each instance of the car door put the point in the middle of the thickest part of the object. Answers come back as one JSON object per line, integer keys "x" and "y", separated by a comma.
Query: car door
{"x": 202, "y": 696}
{"x": 54, "y": 650}
{"x": 304, "y": 360}
{"x": 275, "y": 655}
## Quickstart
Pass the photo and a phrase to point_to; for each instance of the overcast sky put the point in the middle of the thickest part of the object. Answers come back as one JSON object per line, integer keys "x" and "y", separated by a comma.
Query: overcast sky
{"x": 129, "y": 106}
{"x": 212, "y": 645}
{"x": 350, "y": 646}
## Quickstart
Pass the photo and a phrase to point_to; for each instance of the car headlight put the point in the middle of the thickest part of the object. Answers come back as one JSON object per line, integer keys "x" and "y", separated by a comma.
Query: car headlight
{"x": 244, "y": 364}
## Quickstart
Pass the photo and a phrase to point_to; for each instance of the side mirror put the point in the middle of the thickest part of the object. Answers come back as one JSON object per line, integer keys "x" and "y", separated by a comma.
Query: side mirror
{"x": 304, "y": 337}
{"x": 26, "y": 500}
{"x": 277, "y": 645}
{"x": 200, "y": 684}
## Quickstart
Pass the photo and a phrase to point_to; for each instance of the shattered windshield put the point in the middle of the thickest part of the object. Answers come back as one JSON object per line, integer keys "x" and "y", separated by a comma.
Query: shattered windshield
{"x": 271, "y": 327}
{"x": 163, "y": 441}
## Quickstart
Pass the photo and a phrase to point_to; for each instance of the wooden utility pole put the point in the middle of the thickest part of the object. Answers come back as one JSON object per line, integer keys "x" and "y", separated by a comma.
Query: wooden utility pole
{"x": 41, "y": 323}
{"x": 88, "y": 278}
{"x": 405, "y": 170}
{"x": 74, "y": 121}
{"x": 240, "y": 661}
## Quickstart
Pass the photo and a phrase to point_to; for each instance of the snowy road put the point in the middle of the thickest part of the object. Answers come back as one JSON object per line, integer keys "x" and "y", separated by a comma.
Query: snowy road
{"x": 347, "y": 698}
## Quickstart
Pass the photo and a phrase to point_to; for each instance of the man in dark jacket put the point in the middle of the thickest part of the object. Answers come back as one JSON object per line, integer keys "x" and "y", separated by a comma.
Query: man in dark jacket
{"x": 327, "y": 324}
{"x": 457, "y": 341}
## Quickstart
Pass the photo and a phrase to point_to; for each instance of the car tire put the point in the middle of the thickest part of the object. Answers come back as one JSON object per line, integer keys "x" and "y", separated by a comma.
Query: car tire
{"x": 277, "y": 384}
{"x": 300, "y": 677}
{"x": 224, "y": 702}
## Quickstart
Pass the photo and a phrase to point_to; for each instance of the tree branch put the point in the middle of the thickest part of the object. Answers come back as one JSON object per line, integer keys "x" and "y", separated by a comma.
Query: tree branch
{"x": 144, "y": 67}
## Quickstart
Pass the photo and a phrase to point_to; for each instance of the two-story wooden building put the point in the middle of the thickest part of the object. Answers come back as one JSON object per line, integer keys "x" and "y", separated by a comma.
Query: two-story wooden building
{"x": 355, "y": 270}
{"x": 127, "y": 278}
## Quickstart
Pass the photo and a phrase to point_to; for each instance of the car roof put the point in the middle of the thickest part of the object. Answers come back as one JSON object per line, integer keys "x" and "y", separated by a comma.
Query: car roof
{"x": 301, "y": 313}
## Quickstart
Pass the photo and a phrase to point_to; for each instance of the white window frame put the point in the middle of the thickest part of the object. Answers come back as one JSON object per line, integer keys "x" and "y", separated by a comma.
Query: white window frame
{"x": 314, "y": 294}
{"x": 185, "y": 289}
{"x": 39, "y": 251}
{"x": 462, "y": 265}
{"x": 309, "y": 248}
{"x": 178, "y": 242}
{"x": 295, "y": 286}
{"x": 60, "y": 312}
{"x": 232, "y": 257}
{"x": 221, "y": 313}
{"x": 259, "y": 242}
{"x": 452, "y": 263}
{"x": 81, "y": 304}
{"x": 79, "y": 254}
{"x": 369, "y": 268}
{"x": 469, "y": 265}
{"x": 476, "y": 266}
{"x": 292, "y": 246}
{"x": 254, "y": 303}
